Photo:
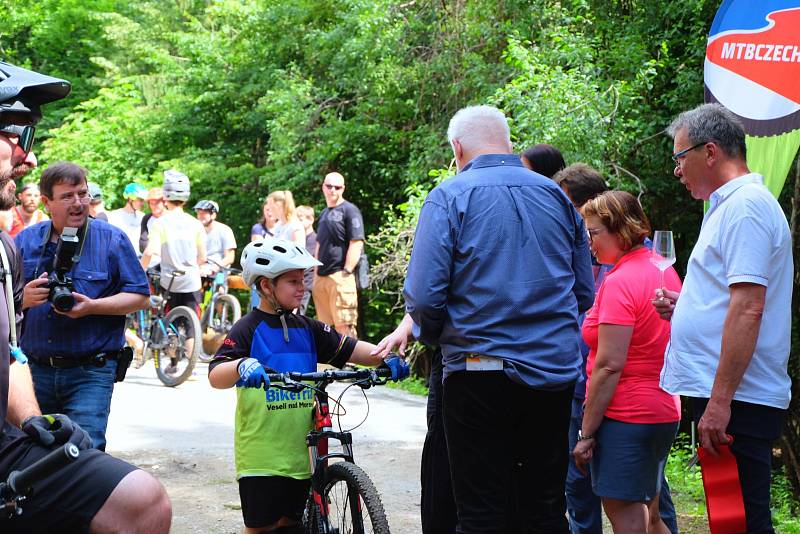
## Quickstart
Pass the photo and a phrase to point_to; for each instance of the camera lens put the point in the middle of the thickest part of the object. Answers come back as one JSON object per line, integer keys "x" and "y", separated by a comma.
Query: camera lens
{"x": 62, "y": 298}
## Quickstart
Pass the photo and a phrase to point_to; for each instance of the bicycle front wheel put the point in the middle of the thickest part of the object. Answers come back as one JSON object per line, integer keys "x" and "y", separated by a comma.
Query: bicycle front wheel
{"x": 177, "y": 359}
{"x": 227, "y": 311}
{"x": 354, "y": 505}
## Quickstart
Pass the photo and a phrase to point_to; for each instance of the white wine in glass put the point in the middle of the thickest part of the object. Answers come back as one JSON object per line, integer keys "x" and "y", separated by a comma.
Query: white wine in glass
{"x": 663, "y": 252}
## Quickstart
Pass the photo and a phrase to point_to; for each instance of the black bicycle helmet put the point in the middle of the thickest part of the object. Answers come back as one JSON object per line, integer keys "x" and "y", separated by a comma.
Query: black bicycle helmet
{"x": 207, "y": 205}
{"x": 24, "y": 91}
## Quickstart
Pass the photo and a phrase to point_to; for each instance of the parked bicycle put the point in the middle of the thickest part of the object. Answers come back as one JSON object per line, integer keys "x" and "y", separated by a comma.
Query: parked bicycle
{"x": 19, "y": 484}
{"x": 172, "y": 339}
{"x": 342, "y": 499}
{"x": 220, "y": 310}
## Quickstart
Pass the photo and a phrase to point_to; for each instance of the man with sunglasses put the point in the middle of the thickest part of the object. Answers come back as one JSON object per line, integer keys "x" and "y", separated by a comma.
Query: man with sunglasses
{"x": 731, "y": 322}
{"x": 340, "y": 242}
{"x": 95, "y": 493}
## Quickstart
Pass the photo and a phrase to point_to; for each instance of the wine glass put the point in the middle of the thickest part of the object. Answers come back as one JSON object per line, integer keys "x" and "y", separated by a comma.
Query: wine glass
{"x": 663, "y": 252}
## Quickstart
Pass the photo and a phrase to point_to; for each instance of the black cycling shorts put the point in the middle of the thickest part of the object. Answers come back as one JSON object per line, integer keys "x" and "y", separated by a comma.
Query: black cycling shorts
{"x": 65, "y": 501}
{"x": 191, "y": 299}
{"x": 266, "y": 499}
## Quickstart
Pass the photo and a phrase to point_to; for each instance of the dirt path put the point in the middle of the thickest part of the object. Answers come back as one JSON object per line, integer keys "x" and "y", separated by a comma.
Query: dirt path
{"x": 184, "y": 436}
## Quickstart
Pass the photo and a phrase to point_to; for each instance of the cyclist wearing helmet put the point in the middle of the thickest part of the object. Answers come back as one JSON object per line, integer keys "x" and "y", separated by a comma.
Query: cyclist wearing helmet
{"x": 97, "y": 206}
{"x": 28, "y": 212}
{"x": 220, "y": 242}
{"x": 128, "y": 218}
{"x": 180, "y": 241}
{"x": 270, "y": 450}
{"x": 155, "y": 201}
{"x": 96, "y": 492}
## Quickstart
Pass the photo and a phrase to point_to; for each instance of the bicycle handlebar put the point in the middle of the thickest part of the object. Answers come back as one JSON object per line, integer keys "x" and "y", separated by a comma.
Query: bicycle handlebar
{"x": 331, "y": 375}
{"x": 224, "y": 268}
{"x": 19, "y": 483}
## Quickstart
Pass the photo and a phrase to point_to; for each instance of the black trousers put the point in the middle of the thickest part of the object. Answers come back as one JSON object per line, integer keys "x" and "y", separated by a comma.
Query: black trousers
{"x": 507, "y": 445}
{"x": 754, "y": 428}
{"x": 438, "y": 508}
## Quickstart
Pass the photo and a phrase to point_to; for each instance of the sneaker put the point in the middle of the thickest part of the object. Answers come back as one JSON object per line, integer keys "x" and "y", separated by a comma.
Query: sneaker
{"x": 171, "y": 369}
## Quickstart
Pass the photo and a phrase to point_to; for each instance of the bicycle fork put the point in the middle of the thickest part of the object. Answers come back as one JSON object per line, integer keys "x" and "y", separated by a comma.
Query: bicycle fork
{"x": 317, "y": 442}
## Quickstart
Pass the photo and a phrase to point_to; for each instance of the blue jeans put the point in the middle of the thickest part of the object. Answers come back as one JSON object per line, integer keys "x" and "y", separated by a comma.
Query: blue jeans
{"x": 583, "y": 506}
{"x": 81, "y": 393}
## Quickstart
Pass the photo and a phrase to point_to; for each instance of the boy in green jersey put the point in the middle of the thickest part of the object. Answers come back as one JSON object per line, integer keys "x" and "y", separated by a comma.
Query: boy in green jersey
{"x": 272, "y": 463}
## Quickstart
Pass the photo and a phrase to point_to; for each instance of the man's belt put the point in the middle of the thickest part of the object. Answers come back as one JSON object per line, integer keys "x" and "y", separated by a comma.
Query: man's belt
{"x": 65, "y": 362}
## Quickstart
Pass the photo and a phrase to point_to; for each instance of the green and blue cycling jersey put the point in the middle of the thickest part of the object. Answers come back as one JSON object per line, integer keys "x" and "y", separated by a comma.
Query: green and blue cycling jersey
{"x": 271, "y": 426}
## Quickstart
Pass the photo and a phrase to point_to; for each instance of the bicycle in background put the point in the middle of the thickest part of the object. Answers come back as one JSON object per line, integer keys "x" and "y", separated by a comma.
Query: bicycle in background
{"x": 342, "y": 498}
{"x": 172, "y": 339}
{"x": 220, "y": 310}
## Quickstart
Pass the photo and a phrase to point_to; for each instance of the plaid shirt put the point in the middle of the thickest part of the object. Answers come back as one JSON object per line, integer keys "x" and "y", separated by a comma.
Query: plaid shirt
{"x": 108, "y": 266}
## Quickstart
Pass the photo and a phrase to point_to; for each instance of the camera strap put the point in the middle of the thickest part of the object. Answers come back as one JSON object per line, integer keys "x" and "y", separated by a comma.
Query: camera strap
{"x": 12, "y": 314}
{"x": 82, "y": 233}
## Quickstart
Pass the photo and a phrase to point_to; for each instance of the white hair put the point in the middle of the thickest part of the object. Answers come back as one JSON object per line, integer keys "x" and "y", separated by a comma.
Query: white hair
{"x": 477, "y": 126}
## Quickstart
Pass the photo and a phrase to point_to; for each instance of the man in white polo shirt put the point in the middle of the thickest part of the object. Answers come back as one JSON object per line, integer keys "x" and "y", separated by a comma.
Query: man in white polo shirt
{"x": 731, "y": 323}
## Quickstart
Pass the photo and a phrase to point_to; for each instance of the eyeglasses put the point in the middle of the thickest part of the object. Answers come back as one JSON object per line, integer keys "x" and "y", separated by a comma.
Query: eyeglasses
{"x": 594, "y": 231}
{"x": 82, "y": 196}
{"x": 332, "y": 187}
{"x": 25, "y": 134}
{"x": 677, "y": 156}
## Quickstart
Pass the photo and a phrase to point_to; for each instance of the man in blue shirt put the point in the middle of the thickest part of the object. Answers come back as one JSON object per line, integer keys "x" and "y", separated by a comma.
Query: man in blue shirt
{"x": 74, "y": 353}
{"x": 499, "y": 273}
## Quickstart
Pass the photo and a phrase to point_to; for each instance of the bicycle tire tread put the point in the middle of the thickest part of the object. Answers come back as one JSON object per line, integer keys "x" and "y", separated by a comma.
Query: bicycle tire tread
{"x": 354, "y": 475}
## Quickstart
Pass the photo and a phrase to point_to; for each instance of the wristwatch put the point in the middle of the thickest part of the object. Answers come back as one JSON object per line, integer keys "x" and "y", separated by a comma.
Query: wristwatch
{"x": 581, "y": 437}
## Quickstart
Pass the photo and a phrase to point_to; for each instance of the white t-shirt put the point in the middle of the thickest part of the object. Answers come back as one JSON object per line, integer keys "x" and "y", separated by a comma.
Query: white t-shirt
{"x": 130, "y": 223}
{"x": 178, "y": 235}
{"x": 218, "y": 240}
{"x": 744, "y": 238}
{"x": 287, "y": 230}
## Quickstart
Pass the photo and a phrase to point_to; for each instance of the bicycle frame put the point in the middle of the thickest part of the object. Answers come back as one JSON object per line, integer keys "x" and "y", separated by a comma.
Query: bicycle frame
{"x": 219, "y": 286}
{"x": 317, "y": 439}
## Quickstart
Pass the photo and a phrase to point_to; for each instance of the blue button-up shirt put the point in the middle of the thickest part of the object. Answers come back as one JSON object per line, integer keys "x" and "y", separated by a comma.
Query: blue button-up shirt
{"x": 108, "y": 266}
{"x": 501, "y": 267}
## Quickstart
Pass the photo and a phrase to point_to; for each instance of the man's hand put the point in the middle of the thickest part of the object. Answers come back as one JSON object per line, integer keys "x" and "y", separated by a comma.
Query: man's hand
{"x": 56, "y": 429}
{"x": 253, "y": 374}
{"x": 35, "y": 292}
{"x": 713, "y": 425}
{"x": 397, "y": 339}
{"x": 400, "y": 369}
{"x": 665, "y": 302}
{"x": 83, "y": 306}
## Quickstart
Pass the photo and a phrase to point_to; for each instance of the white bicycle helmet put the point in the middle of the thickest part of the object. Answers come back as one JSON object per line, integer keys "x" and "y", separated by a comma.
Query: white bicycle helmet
{"x": 272, "y": 257}
{"x": 176, "y": 185}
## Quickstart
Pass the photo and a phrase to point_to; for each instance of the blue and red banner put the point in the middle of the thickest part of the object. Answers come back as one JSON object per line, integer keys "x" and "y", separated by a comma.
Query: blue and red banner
{"x": 752, "y": 67}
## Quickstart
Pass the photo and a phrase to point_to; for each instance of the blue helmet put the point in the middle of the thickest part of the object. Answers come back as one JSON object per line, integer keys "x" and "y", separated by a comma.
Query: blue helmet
{"x": 134, "y": 191}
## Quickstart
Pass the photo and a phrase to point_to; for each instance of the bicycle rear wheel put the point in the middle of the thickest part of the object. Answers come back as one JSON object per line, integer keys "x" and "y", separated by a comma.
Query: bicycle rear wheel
{"x": 354, "y": 505}
{"x": 176, "y": 361}
{"x": 227, "y": 311}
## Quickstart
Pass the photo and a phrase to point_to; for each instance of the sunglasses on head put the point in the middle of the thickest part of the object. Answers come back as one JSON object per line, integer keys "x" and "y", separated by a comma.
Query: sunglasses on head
{"x": 25, "y": 134}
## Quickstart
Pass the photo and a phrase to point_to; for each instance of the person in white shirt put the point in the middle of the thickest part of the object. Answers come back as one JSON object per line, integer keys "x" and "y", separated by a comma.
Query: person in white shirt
{"x": 220, "y": 241}
{"x": 129, "y": 217}
{"x": 731, "y": 322}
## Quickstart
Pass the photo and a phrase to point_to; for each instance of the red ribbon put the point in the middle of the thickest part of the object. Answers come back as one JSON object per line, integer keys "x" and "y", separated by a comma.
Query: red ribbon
{"x": 724, "y": 501}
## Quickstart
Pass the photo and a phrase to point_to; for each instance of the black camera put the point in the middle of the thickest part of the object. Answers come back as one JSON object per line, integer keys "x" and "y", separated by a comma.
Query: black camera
{"x": 58, "y": 281}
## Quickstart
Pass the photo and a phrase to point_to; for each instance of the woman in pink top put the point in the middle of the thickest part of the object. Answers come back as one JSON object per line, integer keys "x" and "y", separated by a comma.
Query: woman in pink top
{"x": 629, "y": 422}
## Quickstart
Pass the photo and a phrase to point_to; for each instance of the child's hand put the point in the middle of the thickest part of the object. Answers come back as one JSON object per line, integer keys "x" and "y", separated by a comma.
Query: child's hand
{"x": 253, "y": 374}
{"x": 400, "y": 369}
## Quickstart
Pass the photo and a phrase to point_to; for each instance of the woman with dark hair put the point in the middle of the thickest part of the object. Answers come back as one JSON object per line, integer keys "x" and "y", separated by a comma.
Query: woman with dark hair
{"x": 629, "y": 422}
{"x": 544, "y": 159}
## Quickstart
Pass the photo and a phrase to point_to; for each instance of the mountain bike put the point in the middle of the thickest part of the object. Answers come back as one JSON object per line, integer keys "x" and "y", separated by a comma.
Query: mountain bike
{"x": 220, "y": 310}
{"x": 171, "y": 339}
{"x": 342, "y": 499}
{"x": 19, "y": 484}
